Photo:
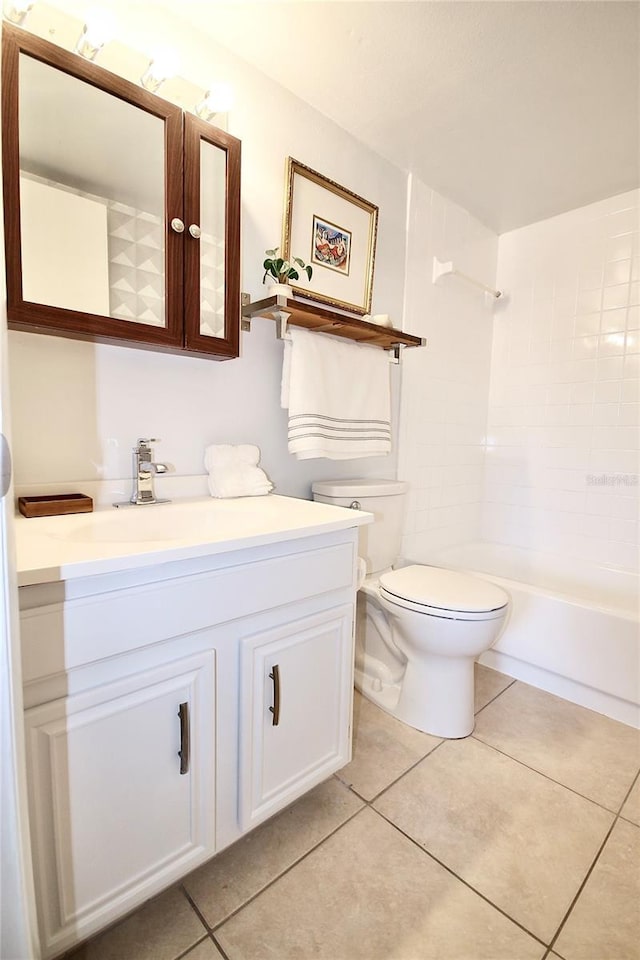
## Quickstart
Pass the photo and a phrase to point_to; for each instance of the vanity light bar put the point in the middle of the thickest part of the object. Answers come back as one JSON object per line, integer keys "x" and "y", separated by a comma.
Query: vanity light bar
{"x": 100, "y": 28}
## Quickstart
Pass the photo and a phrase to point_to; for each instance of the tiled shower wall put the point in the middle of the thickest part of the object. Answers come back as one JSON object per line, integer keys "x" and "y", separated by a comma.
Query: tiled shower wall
{"x": 445, "y": 387}
{"x": 562, "y": 440}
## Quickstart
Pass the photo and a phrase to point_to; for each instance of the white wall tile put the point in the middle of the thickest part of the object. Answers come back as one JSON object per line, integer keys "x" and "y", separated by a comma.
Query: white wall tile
{"x": 613, "y": 321}
{"x": 630, "y": 390}
{"x": 574, "y": 464}
{"x": 632, "y": 367}
{"x": 615, "y": 297}
{"x": 445, "y": 387}
{"x": 589, "y": 323}
{"x": 618, "y": 271}
{"x": 619, "y": 247}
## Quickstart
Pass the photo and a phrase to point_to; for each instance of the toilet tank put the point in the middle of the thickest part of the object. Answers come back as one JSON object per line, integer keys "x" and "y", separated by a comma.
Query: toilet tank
{"x": 379, "y": 542}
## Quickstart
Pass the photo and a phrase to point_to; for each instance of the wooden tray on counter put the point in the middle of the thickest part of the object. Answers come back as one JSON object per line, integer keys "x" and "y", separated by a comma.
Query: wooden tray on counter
{"x": 55, "y": 505}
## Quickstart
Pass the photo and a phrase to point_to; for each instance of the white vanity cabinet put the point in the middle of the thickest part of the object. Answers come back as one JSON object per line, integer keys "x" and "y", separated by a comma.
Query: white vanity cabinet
{"x": 116, "y": 814}
{"x": 115, "y": 810}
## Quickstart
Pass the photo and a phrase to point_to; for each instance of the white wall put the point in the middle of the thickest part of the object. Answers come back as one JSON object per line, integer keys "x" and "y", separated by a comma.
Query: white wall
{"x": 562, "y": 455}
{"x": 445, "y": 387}
{"x": 78, "y": 408}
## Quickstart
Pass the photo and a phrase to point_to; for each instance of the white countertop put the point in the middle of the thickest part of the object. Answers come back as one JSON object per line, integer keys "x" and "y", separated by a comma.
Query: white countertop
{"x": 80, "y": 545}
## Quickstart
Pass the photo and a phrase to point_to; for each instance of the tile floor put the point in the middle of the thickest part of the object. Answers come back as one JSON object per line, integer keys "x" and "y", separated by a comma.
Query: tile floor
{"x": 521, "y": 842}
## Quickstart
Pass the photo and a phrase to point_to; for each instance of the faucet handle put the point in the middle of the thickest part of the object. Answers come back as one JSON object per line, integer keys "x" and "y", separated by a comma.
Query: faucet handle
{"x": 145, "y": 443}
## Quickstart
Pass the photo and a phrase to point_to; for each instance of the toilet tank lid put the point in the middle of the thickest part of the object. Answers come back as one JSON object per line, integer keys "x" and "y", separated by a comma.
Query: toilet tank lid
{"x": 359, "y": 488}
{"x": 444, "y": 589}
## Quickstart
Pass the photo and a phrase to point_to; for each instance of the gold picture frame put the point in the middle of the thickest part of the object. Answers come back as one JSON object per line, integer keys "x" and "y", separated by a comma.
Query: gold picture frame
{"x": 335, "y": 231}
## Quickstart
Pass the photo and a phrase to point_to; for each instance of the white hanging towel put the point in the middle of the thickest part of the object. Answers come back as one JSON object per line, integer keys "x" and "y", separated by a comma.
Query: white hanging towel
{"x": 338, "y": 396}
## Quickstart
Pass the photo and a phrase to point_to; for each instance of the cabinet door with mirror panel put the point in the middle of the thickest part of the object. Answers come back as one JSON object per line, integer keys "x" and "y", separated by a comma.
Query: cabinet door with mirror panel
{"x": 212, "y": 215}
{"x": 95, "y": 208}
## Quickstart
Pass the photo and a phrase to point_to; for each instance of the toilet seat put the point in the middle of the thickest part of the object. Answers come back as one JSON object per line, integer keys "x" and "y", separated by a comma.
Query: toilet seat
{"x": 436, "y": 592}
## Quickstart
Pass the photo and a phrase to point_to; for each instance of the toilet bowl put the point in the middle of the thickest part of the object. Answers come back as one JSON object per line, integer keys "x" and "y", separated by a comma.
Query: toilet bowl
{"x": 419, "y": 628}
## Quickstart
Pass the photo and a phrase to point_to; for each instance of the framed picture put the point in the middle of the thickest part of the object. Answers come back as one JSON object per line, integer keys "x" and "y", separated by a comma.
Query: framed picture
{"x": 335, "y": 231}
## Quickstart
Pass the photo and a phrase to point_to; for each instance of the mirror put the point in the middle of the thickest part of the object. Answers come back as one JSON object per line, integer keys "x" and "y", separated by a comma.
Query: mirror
{"x": 213, "y": 162}
{"x": 122, "y": 214}
{"x": 92, "y": 236}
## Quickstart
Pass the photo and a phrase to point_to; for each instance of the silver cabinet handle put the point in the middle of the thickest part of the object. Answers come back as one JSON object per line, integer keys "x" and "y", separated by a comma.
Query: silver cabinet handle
{"x": 195, "y": 231}
{"x": 177, "y": 225}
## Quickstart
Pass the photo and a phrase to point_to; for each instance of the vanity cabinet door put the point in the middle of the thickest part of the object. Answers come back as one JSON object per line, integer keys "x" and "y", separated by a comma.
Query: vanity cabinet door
{"x": 116, "y": 812}
{"x": 212, "y": 239}
{"x": 296, "y": 689}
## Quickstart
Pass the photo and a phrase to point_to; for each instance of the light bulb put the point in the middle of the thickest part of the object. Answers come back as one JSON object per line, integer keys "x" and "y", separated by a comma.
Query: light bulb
{"x": 217, "y": 99}
{"x": 98, "y": 30}
{"x": 100, "y": 26}
{"x": 16, "y": 10}
{"x": 163, "y": 64}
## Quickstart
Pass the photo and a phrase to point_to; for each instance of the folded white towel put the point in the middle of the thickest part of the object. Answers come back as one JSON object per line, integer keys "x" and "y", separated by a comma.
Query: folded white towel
{"x": 222, "y": 454}
{"x": 338, "y": 396}
{"x": 234, "y": 471}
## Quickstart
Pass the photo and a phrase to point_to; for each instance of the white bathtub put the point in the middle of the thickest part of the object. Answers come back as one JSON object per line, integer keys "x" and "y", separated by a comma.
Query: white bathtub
{"x": 573, "y": 631}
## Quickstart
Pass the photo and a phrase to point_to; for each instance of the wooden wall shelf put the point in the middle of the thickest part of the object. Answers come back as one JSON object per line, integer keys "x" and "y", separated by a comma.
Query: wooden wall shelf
{"x": 324, "y": 320}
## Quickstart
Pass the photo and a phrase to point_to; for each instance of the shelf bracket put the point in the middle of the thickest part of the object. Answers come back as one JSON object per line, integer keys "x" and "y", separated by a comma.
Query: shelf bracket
{"x": 245, "y": 322}
{"x": 281, "y": 318}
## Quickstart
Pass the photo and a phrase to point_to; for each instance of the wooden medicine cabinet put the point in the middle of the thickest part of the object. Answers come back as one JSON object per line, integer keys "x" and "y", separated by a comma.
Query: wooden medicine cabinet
{"x": 122, "y": 213}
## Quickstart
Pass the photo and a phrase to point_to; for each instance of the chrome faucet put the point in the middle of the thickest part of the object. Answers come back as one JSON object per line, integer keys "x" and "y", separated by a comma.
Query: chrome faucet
{"x": 144, "y": 469}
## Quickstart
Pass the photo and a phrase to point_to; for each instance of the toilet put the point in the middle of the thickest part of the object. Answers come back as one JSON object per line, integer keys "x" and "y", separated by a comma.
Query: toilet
{"x": 419, "y": 628}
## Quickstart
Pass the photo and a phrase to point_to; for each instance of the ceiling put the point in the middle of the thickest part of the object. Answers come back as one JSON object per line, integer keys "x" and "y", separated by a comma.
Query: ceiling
{"x": 516, "y": 110}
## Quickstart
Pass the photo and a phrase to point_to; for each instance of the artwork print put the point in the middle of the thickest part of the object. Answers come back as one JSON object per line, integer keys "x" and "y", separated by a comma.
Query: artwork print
{"x": 331, "y": 246}
{"x": 335, "y": 230}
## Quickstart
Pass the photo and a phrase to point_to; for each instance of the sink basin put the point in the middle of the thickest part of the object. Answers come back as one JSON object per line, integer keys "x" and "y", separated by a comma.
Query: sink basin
{"x": 165, "y": 523}
{"x": 139, "y": 528}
